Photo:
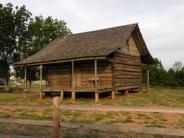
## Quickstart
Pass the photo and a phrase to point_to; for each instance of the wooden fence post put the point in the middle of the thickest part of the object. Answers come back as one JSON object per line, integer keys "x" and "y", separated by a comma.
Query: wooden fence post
{"x": 56, "y": 117}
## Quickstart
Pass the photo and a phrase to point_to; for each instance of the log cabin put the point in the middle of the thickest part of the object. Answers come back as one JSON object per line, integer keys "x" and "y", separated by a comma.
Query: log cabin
{"x": 107, "y": 60}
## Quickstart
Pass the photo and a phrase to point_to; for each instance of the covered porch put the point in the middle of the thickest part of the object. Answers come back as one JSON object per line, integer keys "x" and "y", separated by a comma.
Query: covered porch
{"x": 75, "y": 87}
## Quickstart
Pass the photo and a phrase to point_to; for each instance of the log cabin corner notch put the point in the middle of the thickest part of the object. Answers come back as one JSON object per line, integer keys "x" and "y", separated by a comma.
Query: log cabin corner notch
{"x": 97, "y": 61}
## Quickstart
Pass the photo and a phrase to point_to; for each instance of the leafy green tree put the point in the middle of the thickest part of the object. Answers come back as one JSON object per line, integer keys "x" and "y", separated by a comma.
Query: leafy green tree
{"x": 177, "y": 66}
{"x": 158, "y": 75}
{"x": 41, "y": 32}
{"x": 174, "y": 77}
{"x": 22, "y": 36}
{"x": 13, "y": 33}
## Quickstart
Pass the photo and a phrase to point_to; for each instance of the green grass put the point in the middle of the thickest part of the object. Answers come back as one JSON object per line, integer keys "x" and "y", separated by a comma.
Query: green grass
{"x": 157, "y": 97}
{"x": 99, "y": 117}
{"x": 164, "y": 97}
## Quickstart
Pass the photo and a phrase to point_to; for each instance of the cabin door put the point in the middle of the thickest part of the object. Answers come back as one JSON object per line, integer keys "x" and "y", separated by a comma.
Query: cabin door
{"x": 78, "y": 76}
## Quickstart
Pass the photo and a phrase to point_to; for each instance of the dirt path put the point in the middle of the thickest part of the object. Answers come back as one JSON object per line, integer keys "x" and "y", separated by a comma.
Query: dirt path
{"x": 122, "y": 108}
{"x": 101, "y": 108}
{"x": 17, "y": 136}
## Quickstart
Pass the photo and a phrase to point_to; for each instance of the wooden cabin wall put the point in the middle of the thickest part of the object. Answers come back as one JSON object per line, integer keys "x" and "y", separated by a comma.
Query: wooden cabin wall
{"x": 59, "y": 75}
{"x": 104, "y": 73}
{"x": 127, "y": 67}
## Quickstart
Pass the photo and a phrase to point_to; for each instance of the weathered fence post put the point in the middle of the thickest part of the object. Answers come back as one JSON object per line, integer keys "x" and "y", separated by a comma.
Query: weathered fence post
{"x": 56, "y": 117}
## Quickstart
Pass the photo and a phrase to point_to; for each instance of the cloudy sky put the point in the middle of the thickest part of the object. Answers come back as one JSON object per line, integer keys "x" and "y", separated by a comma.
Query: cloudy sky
{"x": 161, "y": 21}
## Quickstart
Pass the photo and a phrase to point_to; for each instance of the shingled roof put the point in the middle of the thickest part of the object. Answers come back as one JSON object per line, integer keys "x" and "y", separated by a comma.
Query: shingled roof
{"x": 92, "y": 44}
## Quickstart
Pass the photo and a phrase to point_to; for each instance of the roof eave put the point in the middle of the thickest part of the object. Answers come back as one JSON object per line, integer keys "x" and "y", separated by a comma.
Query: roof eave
{"x": 59, "y": 61}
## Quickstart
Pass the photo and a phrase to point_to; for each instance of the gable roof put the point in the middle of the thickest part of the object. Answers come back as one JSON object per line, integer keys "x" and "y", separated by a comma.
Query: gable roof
{"x": 92, "y": 44}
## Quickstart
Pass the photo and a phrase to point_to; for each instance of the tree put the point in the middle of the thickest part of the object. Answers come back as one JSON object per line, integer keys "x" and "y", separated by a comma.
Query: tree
{"x": 41, "y": 32}
{"x": 22, "y": 36}
{"x": 176, "y": 75}
{"x": 177, "y": 66}
{"x": 158, "y": 75}
{"x": 13, "y": 32}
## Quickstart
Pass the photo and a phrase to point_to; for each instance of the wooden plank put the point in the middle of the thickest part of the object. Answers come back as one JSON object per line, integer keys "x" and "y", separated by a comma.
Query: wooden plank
{"x": 127, "y": 87}
{"x": 96, "y": 85}
{"x": 73, "y": 82}
{"x": 56, "y": 117}
{"x": 127, "y": 73}
{"x": 126, "y": 66}
{"x": 25, "y": 81}
{"x": 127, "y": 70}
{"x": 119, "y": 54}
{"x": 41, "y": 68}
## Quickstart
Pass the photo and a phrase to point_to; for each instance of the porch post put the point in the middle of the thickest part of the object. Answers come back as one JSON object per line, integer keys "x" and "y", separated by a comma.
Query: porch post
{"x": 148, "y": 80}
{"x": 113, "y": 94}
{"x": 73, "y": 82}
{"x": 113, "y": 86}
{"x": 96, "y": 83}
{"x": 25, "y": 81}
{"x": 41, "y": 68}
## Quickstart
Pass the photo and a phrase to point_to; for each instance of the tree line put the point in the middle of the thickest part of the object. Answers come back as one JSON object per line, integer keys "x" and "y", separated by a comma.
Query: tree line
{"x": 159, "y": 76}
{"x": 22, "y": 35}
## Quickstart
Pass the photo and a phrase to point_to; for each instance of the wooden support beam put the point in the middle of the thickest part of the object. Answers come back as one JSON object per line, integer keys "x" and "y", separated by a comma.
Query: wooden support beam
{"x": 113, "y": 94}
{"x": 73, "y": 95}
{"x": 41, "y": 72}
{"x": 56, "y": 117}
{"x": 96, "y": 97}
{"x": 96, "y": 83}
{"x": 148, "y": 80}
{"x": 113, "y": 81}
{"x": 62, "y": 95}
{"x": 25, "y": 81}
{"x": 25, "y": 77}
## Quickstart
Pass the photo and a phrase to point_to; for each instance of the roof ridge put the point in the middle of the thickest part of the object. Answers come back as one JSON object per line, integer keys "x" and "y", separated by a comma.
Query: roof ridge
{"x": 93, "y": 31}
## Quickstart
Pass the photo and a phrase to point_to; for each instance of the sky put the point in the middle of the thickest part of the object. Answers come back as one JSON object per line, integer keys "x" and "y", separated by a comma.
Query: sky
{"x": 161, "y": 21}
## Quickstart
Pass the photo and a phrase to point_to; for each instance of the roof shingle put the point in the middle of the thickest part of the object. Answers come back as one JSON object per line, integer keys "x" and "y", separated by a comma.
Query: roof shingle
{"x": 98, "y": 43}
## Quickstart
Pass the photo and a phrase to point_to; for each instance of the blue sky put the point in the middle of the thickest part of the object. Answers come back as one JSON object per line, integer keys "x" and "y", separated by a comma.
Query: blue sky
{"x": 161, "y": 21}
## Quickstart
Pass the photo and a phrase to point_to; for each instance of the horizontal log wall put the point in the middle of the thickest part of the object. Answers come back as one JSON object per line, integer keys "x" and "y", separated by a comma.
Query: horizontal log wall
{"x": 59, "y": 75}
{"x": 126, "y": 71}
{"x": 104, "y": 74}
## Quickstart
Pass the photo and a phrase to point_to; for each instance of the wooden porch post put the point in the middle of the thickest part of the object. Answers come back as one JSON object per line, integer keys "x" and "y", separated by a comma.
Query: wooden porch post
{"x": 41, "y": 68}
{"x": 73, "y": 82}
{"x": 96, "y": 83}
{"x": 148, "y": 81}
{"x": 113, "y": 86}
{"x": 62, "y": 95}
{"x": 25, "y": 81}
{"x": 113, "y": 94}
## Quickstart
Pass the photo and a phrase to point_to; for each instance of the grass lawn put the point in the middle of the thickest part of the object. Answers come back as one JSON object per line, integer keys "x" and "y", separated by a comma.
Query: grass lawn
{"x": 166, "y": 120}
{"x": 157, "y": 97}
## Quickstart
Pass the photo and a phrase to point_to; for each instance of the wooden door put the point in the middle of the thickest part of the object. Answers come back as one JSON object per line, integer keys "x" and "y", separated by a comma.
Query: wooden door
{"x": 78, "y": 76}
